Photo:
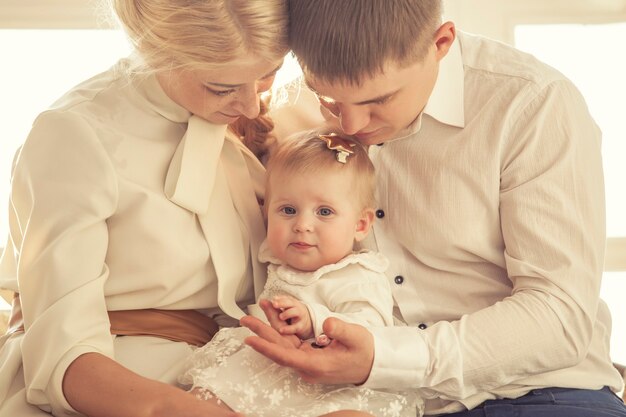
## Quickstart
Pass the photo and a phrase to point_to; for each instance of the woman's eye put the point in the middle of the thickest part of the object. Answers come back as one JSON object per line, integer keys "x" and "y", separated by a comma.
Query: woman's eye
{"x": 325, "y": 211}
{"x": 288, "y": 210}
{"x": 220, "y": 93}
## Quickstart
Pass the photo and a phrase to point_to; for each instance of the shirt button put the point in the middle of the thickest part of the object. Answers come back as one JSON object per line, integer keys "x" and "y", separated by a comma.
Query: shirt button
{"x": 398, "y": 279}
{"x": 380, "y": 213}
{"x": 422, "y": 326}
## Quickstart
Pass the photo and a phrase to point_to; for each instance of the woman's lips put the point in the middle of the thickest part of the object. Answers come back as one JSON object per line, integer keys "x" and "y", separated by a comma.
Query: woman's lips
{"x": 229, "y": 116}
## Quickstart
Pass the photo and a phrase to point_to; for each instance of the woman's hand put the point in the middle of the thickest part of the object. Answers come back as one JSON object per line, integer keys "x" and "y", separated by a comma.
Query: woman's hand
{"x": 347, "y": 359}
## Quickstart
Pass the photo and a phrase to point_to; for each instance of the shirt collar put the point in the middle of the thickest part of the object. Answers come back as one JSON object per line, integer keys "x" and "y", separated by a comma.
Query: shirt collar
{"x": 445, "y": 103}
{"x": 150, "y": 89}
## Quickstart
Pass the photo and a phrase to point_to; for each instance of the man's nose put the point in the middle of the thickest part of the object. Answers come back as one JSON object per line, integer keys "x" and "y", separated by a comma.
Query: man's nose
{"x": 353, "y": 119}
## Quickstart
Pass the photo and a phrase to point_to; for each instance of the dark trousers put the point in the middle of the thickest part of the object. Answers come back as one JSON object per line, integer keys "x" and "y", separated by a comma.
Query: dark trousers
{"x": 553, "y": 402}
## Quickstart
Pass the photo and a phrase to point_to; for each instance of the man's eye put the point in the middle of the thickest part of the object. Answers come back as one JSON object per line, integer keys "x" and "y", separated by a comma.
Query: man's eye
{"x": 382, "y": 100}
{"x": 325, "y": 211}
{"x": 288, "y": 210}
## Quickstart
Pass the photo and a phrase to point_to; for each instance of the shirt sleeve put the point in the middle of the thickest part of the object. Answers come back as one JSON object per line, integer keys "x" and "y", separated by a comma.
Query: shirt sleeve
{"x": 552, "y": 220}
{"x": 63, "y": 190}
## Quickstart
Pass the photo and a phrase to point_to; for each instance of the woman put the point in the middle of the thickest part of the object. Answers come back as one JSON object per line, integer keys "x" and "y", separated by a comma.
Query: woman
{"x": 134, "y": 211}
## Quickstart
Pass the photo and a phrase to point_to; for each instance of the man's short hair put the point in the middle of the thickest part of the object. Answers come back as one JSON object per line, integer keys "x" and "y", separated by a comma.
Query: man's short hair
{"x": 346, "y": 40}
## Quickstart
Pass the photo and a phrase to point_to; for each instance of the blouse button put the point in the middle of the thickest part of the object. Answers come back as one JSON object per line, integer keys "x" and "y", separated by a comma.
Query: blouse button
{"x": 422, "y": 326}
{"x": 380, "y": 213}
{"x": 398, "y": 279}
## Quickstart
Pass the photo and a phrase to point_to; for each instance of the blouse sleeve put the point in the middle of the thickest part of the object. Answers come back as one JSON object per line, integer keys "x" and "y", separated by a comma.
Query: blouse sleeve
{"x": 63, "y": 190}
{"x": 358, "y": 296}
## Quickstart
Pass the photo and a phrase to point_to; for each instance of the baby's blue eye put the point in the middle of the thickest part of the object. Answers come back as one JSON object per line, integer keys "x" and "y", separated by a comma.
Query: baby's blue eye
{"x": 325, "y": 211}
{"x": 288, "y": 210}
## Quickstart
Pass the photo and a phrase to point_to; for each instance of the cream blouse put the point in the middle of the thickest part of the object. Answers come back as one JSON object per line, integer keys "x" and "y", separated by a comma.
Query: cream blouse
{"x": 92, "y": 228}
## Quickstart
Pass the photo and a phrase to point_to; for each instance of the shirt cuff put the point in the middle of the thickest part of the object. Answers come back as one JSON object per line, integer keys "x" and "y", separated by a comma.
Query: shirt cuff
{"x": 318, "y": 314}
{"x": 401, "y": 358}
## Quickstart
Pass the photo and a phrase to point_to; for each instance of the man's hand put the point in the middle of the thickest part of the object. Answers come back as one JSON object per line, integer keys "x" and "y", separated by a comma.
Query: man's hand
{"x": 347, "y": 359}
{"x": 294, "y": 316}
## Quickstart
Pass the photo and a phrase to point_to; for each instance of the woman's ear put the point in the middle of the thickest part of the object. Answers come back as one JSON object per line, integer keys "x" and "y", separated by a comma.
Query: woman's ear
{"x": 364, "y": 224}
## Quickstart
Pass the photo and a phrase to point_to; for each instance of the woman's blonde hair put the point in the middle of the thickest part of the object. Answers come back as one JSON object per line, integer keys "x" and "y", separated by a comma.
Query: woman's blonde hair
{"x": 204, "y": 34}
{"x": 308, "y": 154}
{"x": 209, "y": 35}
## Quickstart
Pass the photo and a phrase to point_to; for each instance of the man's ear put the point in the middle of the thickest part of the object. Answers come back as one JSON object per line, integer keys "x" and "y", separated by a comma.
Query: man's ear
{"x": 364, "y": 224}
{"x": 444, "y": 38}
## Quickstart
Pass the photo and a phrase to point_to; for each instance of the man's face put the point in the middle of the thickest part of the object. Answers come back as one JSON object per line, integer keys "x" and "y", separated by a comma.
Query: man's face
{"x": 376, "y": 110}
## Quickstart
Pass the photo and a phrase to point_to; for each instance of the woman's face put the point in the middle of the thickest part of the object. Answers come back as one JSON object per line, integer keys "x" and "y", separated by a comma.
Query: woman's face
{"x": 221, "y": 96}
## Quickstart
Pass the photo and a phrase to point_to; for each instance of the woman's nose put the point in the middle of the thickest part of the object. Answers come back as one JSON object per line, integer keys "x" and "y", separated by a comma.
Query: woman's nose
{"x": 248, "y": 102}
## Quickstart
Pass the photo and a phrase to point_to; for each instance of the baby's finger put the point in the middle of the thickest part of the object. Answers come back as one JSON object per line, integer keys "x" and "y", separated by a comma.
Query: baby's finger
{"x": 271, "y": 313}
{"x": 282, "y": 301}
{"x": 289, "y": 314}
{"x": 290, "y": 329}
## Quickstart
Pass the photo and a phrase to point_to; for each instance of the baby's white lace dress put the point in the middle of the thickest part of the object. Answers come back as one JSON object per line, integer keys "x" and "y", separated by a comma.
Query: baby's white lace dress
{"x": 251, "y": 384}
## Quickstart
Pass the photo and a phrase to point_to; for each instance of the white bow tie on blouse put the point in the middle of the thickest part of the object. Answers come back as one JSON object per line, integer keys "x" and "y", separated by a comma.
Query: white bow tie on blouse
{"x": 216, "y": 177}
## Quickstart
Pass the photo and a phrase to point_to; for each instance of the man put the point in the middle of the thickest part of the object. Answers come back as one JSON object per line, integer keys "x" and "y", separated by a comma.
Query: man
{"x": 491, "y": 212}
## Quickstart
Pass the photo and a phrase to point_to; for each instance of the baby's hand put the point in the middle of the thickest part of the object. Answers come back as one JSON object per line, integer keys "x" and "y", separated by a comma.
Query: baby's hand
{"x": 322, "y": 340}
{"x": 295, "y": 316}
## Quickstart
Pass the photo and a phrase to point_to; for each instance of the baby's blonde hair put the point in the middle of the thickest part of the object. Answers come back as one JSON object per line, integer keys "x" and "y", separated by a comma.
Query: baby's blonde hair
{"x": 308, "y": 154}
